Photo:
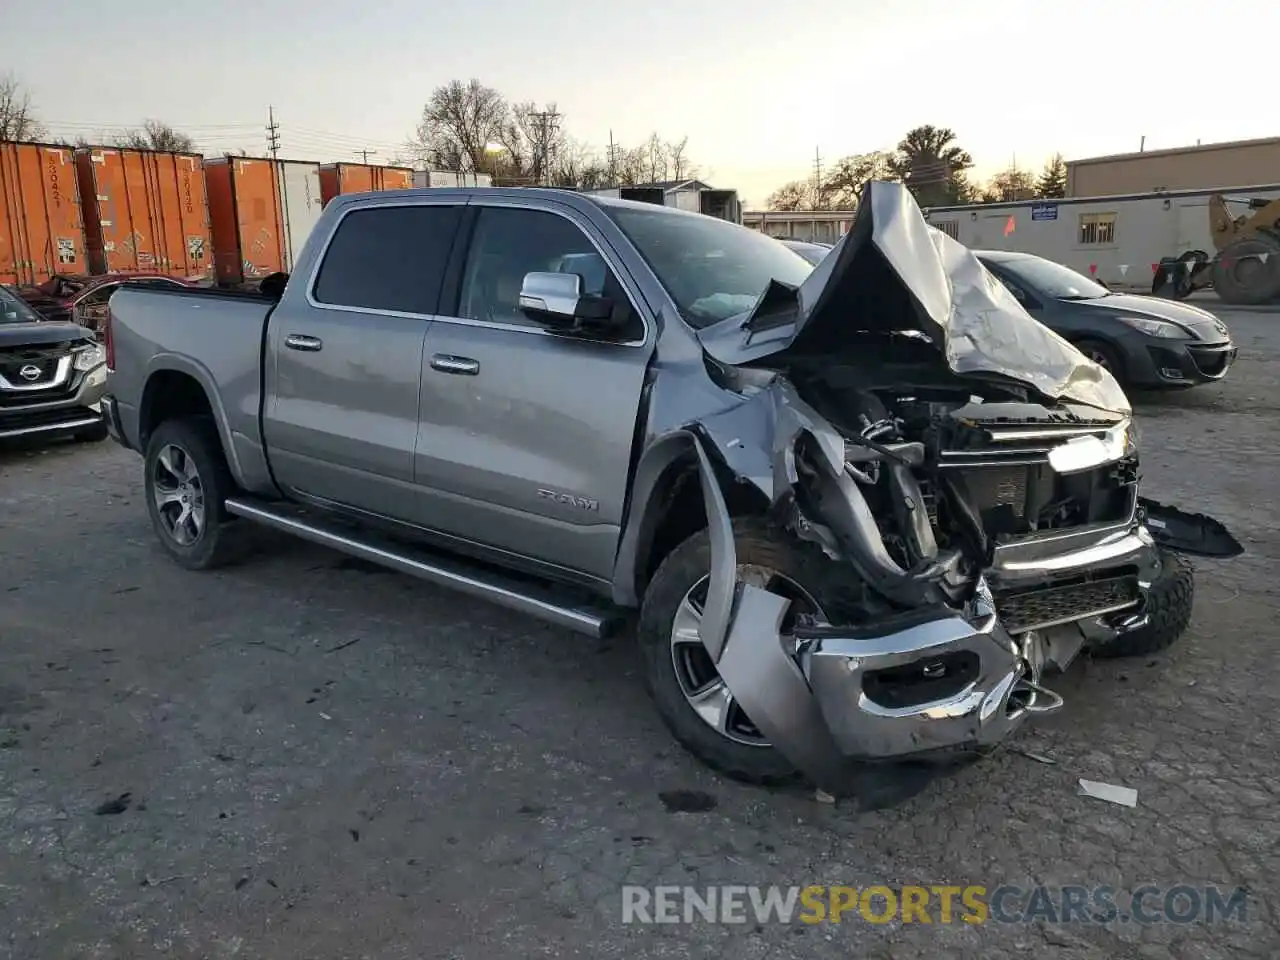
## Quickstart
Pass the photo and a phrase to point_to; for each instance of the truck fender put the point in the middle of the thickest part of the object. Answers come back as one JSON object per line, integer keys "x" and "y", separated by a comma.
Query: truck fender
{"x": 657, "y": 462}
{"x": 179, "y": 363}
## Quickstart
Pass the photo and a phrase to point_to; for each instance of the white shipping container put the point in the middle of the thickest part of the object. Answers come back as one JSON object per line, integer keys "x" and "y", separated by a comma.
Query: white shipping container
{"x": 298, "y": 184}
{"x": 450, "y": 178}
{"x": 1119, "y": 240}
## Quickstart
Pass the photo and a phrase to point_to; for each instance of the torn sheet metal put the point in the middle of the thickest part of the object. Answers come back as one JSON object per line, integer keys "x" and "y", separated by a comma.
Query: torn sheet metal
{"x": 1124, "y": 796}
{"x": 893, "y": 273}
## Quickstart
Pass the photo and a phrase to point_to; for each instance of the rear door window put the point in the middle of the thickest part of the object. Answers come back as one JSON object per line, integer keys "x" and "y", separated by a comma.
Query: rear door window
{"x": 389, "y": 258}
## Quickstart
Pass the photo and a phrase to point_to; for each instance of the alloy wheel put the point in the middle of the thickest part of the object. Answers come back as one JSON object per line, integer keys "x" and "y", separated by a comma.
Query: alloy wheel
{"x": 179, "y": 495}
{"x": 699, "y": 680}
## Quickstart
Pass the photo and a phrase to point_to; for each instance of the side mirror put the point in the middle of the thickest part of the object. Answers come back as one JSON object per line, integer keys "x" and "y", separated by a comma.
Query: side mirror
{"x": 557, "y": 300}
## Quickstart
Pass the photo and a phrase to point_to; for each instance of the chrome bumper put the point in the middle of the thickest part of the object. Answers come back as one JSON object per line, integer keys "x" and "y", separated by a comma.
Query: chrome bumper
{"x": 82, "y": 409}
{"x": 973, "y": 665}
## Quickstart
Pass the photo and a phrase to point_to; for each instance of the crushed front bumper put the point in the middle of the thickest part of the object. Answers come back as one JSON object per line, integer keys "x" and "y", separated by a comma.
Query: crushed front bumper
{"x": 932, "y": 682}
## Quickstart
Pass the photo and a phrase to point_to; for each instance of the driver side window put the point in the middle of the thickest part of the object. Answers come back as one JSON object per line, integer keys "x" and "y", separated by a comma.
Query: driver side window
{"x": 511, "y": 242}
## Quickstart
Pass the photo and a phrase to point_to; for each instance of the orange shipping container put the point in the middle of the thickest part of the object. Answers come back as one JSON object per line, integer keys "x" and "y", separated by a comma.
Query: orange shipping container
{"x": 145, "y": 211}
{"x": 336, "y": 178}
{"x": 260, "y": 213}
{"x": 41, "y": 233}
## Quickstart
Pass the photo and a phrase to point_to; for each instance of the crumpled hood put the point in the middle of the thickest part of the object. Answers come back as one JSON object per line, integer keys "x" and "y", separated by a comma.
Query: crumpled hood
{"x": 892, "y": 272}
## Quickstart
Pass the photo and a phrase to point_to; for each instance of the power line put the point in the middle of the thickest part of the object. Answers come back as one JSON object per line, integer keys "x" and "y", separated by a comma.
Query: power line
{"x": 364, "y": 155}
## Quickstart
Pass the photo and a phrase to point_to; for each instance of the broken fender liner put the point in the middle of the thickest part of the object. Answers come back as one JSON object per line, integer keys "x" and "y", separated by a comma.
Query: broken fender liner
{"x": 1190, "y": 533}
{"x": 770, "y": 688}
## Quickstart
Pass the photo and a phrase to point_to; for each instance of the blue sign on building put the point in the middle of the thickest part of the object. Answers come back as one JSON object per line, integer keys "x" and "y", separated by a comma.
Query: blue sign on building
{"x": 1044, "y": 211}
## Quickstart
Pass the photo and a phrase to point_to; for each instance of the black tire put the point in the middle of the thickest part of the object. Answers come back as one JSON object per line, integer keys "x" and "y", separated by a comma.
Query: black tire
{"x": 756, "y": 543}
{"x": 1241, "y": 277}
{"x": 217, "y": 542}
{"x": 1103, "y": 354}
{"x": 1169, "y": 604}
{"x": 95, "y": 434}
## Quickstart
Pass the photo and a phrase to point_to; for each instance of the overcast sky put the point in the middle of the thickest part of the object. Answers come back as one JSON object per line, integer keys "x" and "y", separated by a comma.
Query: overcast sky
{"x": 755, "y": 86}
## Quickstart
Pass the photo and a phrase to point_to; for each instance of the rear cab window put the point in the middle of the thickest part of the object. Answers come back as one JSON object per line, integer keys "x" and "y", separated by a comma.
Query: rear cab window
{"x": 390, "y": 259}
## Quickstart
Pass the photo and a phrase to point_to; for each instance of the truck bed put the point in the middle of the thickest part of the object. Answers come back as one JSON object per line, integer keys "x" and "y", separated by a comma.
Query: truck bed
{"x": 213, "y": 335}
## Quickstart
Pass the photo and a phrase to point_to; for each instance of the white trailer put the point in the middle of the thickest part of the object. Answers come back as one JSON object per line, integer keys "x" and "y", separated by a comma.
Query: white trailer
{"x": 450, "y": 178}
{"x": 692, "y": 195}
{"x": 1117, "y": 239}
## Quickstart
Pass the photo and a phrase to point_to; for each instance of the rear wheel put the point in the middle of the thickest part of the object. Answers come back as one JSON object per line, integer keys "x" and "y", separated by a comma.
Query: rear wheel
{"x": 187, "y": 483}
{"x": 690, "y": 695}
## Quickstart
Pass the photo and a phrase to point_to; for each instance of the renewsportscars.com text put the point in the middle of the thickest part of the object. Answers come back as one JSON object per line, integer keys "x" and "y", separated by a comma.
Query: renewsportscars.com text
{"x": 1148, "y": 904}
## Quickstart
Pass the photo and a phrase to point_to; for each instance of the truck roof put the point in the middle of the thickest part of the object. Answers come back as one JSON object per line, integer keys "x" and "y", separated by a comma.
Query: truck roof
{"x": 573, "y": 198}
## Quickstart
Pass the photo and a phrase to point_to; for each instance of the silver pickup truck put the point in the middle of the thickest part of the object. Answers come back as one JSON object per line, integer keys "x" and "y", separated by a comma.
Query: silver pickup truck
{"x": 860, "y": 509}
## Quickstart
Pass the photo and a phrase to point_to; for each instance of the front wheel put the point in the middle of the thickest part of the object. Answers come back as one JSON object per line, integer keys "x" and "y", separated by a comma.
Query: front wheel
{"x": 187, "y": 483}
{"x": 1169, "y": 604}
{"x": 692, "y": 699}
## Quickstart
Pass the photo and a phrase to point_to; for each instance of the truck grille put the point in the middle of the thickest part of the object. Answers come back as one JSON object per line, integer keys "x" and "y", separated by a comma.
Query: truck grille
{"x": 1015, "y": 492}
{"x": 1042, "y": 608}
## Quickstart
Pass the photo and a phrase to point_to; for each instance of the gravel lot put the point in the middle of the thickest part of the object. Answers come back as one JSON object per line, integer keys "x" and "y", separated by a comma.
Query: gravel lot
{"x": 326, "y": 761}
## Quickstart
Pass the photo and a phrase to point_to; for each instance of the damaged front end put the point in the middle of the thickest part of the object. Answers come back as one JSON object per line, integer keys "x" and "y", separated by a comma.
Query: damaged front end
{"x": 977, "y": 475}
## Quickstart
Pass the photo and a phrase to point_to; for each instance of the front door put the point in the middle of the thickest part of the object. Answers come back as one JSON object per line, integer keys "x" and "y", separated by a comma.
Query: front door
{"x": 525, "y": 436}
{"x": 344, "y": 358}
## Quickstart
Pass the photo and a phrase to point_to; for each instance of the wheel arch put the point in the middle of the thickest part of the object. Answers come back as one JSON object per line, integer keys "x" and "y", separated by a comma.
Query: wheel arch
{"x": 671, "y": 501}
{"x": 176, "y": 388}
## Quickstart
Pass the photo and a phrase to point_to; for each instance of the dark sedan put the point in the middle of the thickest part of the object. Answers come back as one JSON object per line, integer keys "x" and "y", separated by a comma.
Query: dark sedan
{"x": 1145, "y": 342}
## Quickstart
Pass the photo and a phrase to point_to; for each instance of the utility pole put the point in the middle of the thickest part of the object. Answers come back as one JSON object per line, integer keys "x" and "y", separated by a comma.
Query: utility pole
{"x": 547, "y": 125}
{"x": 613, "y": 161}
{"x": 273, "y": 133}
{"x": 364, "y": 155}
{"x": 817, "y": 178}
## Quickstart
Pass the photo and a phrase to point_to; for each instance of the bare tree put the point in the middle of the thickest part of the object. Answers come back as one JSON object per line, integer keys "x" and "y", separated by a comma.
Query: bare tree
{"x": 155, "y": 135}
{"x": 459, "y": 122}
{"x": 1009, "y": 185}
{"x": 796, "y": 195}
{"x": 17, "y": 120}
{"x": 843, "y": 185}
{"x": 678, "y": 157}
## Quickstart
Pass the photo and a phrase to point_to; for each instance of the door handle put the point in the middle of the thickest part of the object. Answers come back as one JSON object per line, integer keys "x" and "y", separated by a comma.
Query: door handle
{"x": 462, "y": 365}
{"x": 296, "y": 341}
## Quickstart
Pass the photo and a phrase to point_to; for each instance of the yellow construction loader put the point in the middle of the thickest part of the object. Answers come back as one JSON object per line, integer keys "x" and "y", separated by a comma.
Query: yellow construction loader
{"x": 1246, "y": 266}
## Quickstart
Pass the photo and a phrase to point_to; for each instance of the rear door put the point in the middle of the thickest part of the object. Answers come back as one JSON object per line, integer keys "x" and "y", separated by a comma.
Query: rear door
{"x": 525, "y": 436}
{"x": 344, "y": 357}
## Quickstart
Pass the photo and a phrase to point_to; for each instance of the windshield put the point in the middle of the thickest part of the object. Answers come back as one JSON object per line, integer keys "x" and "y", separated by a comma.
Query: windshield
{"x": 712, "y": 268}
{"x": 13, "y": 309}
{"x": 1052, "y": 279}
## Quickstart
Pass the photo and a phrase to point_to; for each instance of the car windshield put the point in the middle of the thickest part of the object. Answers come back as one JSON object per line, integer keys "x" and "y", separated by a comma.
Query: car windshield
{"x": 13, "y": 309}
{"x": 712, "y": 268}
{"x": 1052, "y": 279}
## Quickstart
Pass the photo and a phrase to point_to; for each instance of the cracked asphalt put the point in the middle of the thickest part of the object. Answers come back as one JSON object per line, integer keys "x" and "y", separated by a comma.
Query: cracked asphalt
{"x": 311, "y": 759}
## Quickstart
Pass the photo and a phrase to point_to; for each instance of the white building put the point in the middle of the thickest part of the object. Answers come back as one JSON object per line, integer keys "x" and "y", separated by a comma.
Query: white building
{"x": 821, "y": 226}
{"x": 1117, "y": 239}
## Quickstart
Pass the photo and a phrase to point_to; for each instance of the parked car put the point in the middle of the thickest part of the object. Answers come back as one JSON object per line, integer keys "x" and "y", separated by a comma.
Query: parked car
{"x": 52, "y": 375}
{"x": 842, "y": 543}
{"x": 83, "y": 299}
{"x": 1145, "y": 342}
{"x": 813, "y": 252}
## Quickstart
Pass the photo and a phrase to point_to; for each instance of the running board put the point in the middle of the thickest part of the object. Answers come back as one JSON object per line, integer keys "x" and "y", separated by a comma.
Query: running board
{"x": 468, "y": 578}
